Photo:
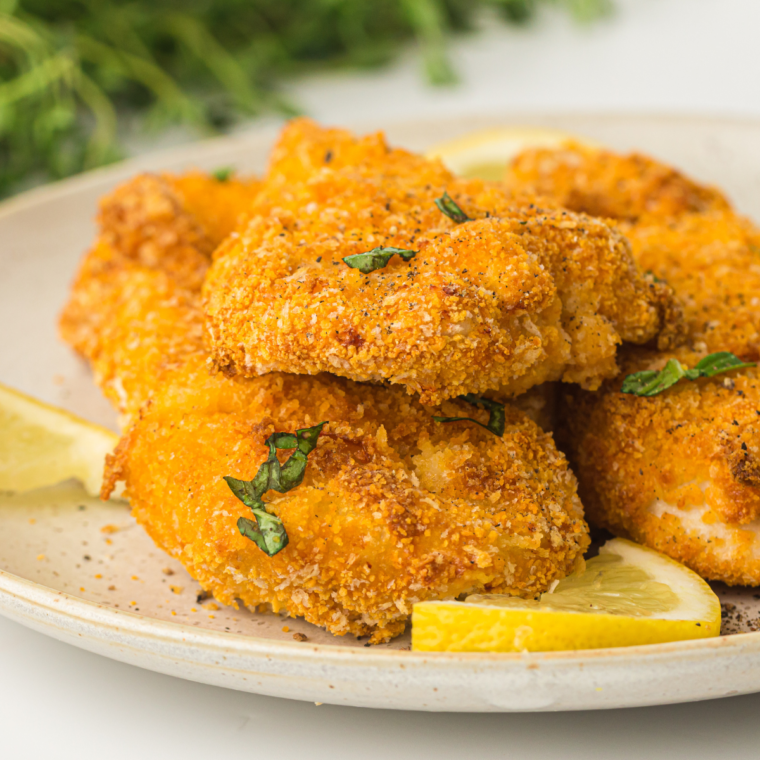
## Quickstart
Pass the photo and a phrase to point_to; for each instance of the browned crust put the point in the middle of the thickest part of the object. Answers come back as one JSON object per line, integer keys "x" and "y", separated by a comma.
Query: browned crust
{"x": 515, "y": 297}
{"x": 678, "y": 472}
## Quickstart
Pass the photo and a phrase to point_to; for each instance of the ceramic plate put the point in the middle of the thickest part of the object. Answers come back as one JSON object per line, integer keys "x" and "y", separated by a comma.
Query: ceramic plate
{"x": 84, "y": 572}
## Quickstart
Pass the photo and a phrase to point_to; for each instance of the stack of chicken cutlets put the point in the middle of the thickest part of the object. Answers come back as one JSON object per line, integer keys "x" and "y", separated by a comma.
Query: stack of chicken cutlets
{"x": 336, "y": 382}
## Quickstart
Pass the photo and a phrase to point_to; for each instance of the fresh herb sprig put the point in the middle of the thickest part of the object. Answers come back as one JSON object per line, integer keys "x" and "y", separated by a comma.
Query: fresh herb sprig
{"x": 377, "y": 258}
{"x": 496, "y": 418}
{"x": 447, "y": 206}
{"x": 71, "y": 69}
{"x": 268, "y": 532}
{"x": 652, "y": 382}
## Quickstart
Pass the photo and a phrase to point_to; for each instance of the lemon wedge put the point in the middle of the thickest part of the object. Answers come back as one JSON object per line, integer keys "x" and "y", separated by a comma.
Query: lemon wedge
{"x": 626, "y": 596}
{"x": 486, "y": 154}
{"x": 41, "y": 445}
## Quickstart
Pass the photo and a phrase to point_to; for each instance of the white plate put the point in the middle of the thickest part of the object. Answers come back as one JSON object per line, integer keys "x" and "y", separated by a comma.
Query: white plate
{"x": 111, "y": 591}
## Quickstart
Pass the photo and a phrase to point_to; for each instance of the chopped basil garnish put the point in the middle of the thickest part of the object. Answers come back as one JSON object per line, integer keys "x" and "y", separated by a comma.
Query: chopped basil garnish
{"x": 448, "y": 207}
{"x": 377, "y": 258}
{"x": 268, "y": 532}
{"x": 651, "y": 382}
{"x": 496, "y": 418}
{"x": 223, "y": 173}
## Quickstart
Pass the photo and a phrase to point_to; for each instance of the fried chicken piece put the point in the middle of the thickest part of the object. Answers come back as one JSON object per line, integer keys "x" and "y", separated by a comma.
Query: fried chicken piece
{"x": 149, "y": 224}
{"x": 683, "y": 233}
{"x": 606, "y": 184}
{"x": 219, "y": 206}
{"x": 173, "y": 242}
{"x": 394, "y": 507}
{"x": 712, "y": 261}
{"x": 680, "y": 471}
{"x": 513, "y": 297}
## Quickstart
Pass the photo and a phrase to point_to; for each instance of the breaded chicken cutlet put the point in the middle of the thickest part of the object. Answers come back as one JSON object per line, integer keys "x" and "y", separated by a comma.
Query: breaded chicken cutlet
{"x": 679, "y": 471}
{"x": 170, "y": 225}
{"x": 485, "y": 292}
{"x": 394, "y": 507}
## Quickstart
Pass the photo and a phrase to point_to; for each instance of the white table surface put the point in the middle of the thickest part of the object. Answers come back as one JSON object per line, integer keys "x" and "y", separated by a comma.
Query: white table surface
{"x": 673, "y": 56}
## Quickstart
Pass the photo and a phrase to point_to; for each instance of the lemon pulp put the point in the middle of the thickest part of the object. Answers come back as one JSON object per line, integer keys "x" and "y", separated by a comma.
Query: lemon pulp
{"x": 41, "y": 445}
{"x": 607, "y": 585}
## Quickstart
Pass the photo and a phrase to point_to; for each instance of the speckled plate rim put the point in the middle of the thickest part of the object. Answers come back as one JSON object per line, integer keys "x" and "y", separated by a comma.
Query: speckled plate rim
{"x": 593, "y": 679}
{"x": 31, "y": 596}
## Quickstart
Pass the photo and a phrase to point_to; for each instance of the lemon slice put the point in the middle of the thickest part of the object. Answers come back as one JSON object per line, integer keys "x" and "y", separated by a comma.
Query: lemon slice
{"x": 626, "y": 596}
{"x": 486, "y": 154}
{"x": 41, "y": 445}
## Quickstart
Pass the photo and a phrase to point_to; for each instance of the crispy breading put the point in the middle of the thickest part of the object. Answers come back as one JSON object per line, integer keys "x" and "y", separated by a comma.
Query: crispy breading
{"x": 685, "y": 233}
{"x": 149, "y": 224}
{"x": 679, "y": 472}
{"x": 219, "y": 206}
{"x": 173, "y": 242}
{"x": 304, "y": 148}
{"x": 145, "y": 221}
{"x": 610, "y": 185}
{"x": 514, "y": 297}
{"x": 394, "y": 508}
{"x": 712, "y": 261}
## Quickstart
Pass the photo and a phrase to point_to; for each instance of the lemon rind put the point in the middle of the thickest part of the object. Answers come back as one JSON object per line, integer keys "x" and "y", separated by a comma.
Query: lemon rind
{"x": 450, "y": 626}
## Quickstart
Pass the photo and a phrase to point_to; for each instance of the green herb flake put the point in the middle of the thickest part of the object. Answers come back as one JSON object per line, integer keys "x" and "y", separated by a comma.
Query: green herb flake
{"x": 223, "y": 173}
{"x": 723, "y": 361}
{"x": 652, "y": 382}
{"x": 448, "y": 207}
{"x": 377, "y": 258}
{"x": 496, "y": 418}
{"x": 268, "y": 532}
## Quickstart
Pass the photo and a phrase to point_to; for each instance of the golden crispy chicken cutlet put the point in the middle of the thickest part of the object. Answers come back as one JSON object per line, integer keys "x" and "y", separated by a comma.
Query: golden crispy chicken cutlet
{"x": 610, "y": 185}
{"x": 218, "y": 205}
{"x": 492, "y": 293}
{"x": 678, "y": 471}
{"x": 712, "y": 261}
{"x": 168, "y": 225}
{"x": 394, "y": 507}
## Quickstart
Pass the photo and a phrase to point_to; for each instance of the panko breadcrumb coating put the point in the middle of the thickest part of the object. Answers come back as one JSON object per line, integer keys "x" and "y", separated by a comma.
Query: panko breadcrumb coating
{"x": 712, "y": 261}
{"x": 149, "y": 224}
{"x": 176, "y": 244}
{"x": 610, "y": 185}
{"x": 516, "y": 296}
{"x": 680, "y": 471}
{"x": 683, "y": 233}
{"x": 219, "y": 206}
{"x": 394, "y": 508}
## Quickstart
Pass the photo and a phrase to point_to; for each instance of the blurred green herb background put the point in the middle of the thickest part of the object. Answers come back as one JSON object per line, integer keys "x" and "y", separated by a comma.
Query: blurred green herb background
{"x": 73, "y": 73}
